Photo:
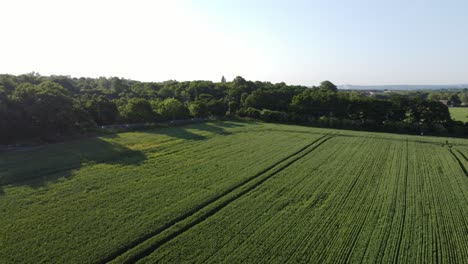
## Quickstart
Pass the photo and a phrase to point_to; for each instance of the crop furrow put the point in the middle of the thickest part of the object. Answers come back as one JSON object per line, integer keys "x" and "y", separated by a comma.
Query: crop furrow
{"x": 381, "y": 205}
{"x": 300, "y": 153}
{"x": 298, "y": 184}
{"x": 323, "y": 232}
{"x": 214, "y": 210}
{"x": 403, "y": 220}
{"x": 361, "y": 218}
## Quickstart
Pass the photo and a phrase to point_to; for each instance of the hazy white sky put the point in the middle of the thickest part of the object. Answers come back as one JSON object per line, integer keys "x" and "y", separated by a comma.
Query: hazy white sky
{"x": 299, "y": 42}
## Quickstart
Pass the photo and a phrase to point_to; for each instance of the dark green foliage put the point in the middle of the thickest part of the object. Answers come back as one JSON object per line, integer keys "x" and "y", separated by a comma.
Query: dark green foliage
{"x": 46, "y": 110}
{"x": 327, "y": 86}
{"x": 25, "y": 106}
{"x": 102, "y": 110}
{"x": 137, "y": 110}
{"x": 315, "y": 103}
{"x": 274, "y": 99}
{"x": 273, "y": 116}
{"x": 431, "y": 112}
{"x": 217, "y": 107}
{"x": 250, "y": 112}
{"x": 454, "y": 100}
{"x": 8, "y": 118}
{"x": 198, "y": 109}
{"x": 172, "y": 109}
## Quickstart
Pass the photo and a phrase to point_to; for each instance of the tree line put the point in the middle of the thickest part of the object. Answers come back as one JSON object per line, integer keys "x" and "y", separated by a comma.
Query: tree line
{"x": 49, "y": 107}
{"x": 450, "y": 97}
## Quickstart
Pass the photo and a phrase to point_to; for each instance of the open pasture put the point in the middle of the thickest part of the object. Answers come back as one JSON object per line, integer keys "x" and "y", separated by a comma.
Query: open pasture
{"x": 459, "y": 113}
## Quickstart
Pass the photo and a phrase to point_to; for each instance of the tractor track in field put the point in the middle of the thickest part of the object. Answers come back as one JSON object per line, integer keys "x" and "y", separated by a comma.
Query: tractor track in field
{"x": 459, "y": 161}
{"x": 463, "y": 155}
{"x": 298, "y": 183}
{"x": 297, "y": 155}
{"x": 318, "y": 244}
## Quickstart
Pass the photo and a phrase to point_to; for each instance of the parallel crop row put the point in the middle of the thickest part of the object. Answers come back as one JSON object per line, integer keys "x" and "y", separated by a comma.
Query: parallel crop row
{"x": 237, "y": 193}
{"x": 355, "y": 200}
{"x": 202, "y": 212}
{"x": 100, "y": 208}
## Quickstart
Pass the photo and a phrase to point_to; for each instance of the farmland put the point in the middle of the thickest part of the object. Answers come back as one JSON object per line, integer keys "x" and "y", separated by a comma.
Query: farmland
{"x": 459, "y": 113}
{"x": 237, "y": 192}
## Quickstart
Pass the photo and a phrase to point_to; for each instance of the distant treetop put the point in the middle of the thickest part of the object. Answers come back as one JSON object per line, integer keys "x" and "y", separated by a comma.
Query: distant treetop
{"x": 328, "y": 86}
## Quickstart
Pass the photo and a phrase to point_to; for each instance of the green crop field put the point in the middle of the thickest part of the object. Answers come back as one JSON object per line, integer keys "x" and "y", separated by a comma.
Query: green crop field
{"x": 459, "y": 113}
{"x": 237, "y": 192}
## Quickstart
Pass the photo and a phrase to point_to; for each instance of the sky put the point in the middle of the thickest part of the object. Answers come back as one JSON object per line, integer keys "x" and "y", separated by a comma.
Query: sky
{"x": 361, "y": 42}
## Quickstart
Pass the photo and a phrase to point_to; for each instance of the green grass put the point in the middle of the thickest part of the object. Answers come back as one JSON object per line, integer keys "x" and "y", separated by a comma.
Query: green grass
{"x": 459, "y": 113}
{"x": 237, "y": 192}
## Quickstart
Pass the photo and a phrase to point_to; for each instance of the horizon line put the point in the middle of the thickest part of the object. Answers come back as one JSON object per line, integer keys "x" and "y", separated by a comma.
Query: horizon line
{"x": 131, "y": 79}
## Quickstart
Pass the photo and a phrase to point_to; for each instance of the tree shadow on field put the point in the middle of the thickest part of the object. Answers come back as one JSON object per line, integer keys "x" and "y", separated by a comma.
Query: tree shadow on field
{"x": 176, "y": 132}
{"x": 39, "y": 166}
{"x": 229, "y": 124}
{"x": 214, "y": 128}
{"x": 183, "y": 132}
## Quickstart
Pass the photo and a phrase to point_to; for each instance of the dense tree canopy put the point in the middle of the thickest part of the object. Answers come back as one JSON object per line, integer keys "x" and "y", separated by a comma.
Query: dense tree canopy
{"x": 45, "y": 110}
{"x": 136, "y": 110}
{"x": 101, "y": 109}
{"x": 172, "y": 109}
{"x": 34, "y": 106}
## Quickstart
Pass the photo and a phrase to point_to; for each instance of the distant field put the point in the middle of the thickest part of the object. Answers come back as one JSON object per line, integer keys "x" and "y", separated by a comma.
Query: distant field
{"x": 238, "y": 193}
{"x": 459, "y": 113}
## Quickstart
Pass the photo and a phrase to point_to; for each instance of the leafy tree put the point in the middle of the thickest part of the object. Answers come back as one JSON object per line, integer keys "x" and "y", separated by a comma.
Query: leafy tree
{"x": 32, "y": 78}
{"x": 315, "y": 103}
{"x": 198, "y": 109}
{"x": 6, "y": 120}
{"x": 273, "y": 116}
{"x": 144, "y": 90}
{"x": 118, "y": 85}
{"x": 454, "y": 100}
{"x": 3, "y": 99}
{"x": 8, "y": 82}
{"x": 463, "y": 97}
{"x": 66, "y": 82}
{"x": 172, "y": 109}
{"x": 217, "y": 107}
{"x": 434, "y": 96}
{"x": 277, "y": 99}
{"x": 33, "y": 105}
{"x": 431, "y": 112}
{"x": 137, "y": 110}
{"x": 102, "y": 110}
{"x": 166, "y": 92}
{"x": 328, "y": 86}
{"x": 376, "y": 110}
{"x": 239, "y": 81}
{"x": 401, "y": 104}
{"x": 250, "y": 112}
{"x": 238, "y": 87}
{"x": 47, "y": 110}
